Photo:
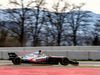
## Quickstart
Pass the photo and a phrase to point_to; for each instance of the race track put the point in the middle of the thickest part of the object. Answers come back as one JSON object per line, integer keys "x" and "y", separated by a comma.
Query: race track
{"x": 48, "y": 71}
{"x": 24, "y": 70}
{"x": 81, "y": 63}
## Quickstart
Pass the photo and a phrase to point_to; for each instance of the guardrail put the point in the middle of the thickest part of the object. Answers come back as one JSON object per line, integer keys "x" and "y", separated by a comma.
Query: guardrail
{"x": 51, "y": 48}
{"x": 72, "y": 52}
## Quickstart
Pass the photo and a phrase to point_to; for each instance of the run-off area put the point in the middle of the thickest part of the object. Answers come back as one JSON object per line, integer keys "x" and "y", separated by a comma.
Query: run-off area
{"x": 48, "y": 71}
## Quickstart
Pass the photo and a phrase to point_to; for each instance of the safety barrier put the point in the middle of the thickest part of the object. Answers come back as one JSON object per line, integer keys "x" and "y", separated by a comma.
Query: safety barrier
{"x": 72, "y": 52}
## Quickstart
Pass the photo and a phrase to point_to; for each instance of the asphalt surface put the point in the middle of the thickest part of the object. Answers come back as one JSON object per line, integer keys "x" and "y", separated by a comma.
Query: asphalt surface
{"x": 81, "y": 63}
{"x": 89, "y": 63}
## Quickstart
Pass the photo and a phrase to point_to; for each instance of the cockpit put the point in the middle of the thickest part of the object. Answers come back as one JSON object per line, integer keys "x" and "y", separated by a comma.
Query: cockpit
{"x": 35, "y": 54}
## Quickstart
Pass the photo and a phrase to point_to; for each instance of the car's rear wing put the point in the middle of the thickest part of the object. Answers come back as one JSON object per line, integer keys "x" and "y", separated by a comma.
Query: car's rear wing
{"x": 12, "y": 56}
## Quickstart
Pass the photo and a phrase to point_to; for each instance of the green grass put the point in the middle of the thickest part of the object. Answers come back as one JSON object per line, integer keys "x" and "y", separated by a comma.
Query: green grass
{"x": 4, "y": 60}
{"x": 55, "y": 66}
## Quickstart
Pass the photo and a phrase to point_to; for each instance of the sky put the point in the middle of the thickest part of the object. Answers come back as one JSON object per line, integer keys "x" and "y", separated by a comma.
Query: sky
{"x": 91, "y": 5}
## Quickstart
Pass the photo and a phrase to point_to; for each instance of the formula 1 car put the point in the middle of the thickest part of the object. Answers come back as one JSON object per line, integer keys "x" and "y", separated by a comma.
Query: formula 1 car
{"x": 40, "y": 58}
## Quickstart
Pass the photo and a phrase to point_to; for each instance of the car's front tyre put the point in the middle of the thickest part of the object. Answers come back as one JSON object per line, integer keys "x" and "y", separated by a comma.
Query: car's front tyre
{"x": 64, "y": 61}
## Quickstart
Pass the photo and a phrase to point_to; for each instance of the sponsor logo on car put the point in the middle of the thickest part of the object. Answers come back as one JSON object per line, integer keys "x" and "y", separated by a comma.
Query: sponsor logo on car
{"x": 40, "y": 59}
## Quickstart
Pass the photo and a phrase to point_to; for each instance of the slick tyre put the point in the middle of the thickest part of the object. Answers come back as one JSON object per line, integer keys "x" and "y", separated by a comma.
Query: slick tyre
{"x": 16, "y": 61}
{"x": 64, "y": 61}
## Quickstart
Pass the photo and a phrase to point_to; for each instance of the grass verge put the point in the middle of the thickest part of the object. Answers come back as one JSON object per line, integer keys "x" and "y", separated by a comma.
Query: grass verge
{"x": 55, "y": 66}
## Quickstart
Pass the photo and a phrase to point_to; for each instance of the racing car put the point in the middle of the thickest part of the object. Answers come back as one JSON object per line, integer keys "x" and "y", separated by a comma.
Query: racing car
{"x": 40, "y": 58}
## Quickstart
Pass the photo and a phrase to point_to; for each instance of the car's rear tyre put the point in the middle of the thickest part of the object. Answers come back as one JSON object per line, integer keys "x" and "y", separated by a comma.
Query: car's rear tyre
{"x": 64, "y": 61}
{"x": 17, "y": 61}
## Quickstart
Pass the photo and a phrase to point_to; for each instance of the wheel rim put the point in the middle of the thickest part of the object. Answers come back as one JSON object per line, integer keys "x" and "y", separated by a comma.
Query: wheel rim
{"x": 65, "y": 61}
{"x": 17, "y": 61}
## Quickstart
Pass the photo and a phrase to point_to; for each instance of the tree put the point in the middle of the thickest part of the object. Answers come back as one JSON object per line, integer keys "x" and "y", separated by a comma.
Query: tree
{"x": 96, "y": 34}
{"x": 3, "y": 37}
{"x": 97, "y": 28}
{"x": 37, "y": 24}
{"x": 7, "y": 38}
{"x": 76, "y": 20}
{"x": 19, "y": 18}
{"x": 96, "y": 41}
{"x": 55, "y": 22}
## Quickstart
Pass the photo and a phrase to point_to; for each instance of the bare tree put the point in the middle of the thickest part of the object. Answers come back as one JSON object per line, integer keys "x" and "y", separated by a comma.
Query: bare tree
{"x": 96, "y": 41}
{"x": 37, "y": 24}
{"x": 19, "y": 18}
{"x": 3, "y": 37}
{"x": 97, "y": 28}
{"x": 77, "y": 20}
{"x": 55, "y": 22}
{"x": 96, "y": 33}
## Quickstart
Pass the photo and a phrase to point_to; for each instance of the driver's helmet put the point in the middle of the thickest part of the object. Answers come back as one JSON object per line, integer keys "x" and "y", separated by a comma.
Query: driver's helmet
{"x": 43, "y": 54}
{"x": 39, "y": 51}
